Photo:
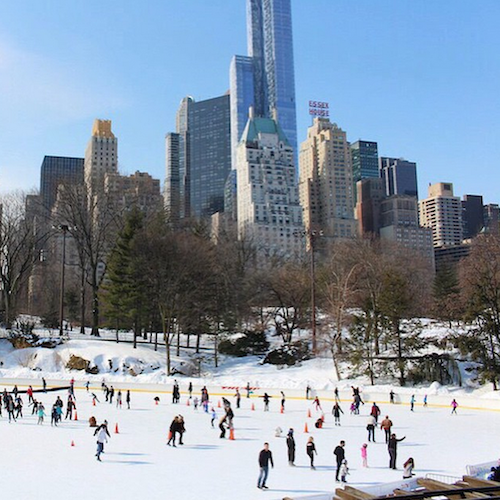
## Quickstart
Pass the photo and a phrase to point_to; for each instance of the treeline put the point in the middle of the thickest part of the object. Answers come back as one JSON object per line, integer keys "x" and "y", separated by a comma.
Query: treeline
{"x": 129, "y": 269}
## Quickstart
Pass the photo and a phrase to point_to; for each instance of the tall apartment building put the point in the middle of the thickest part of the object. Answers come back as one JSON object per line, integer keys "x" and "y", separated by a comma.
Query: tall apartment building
{"x": 326, "y": 187}
{"x": 56, "y": 170}
{"x": 198, "y": 158}
{"x": 369, "y": 194}
{"x": 472, "y": 215}
{"x": 269, "y": 212}
{"x": 399, "y": 175}
{"x": 491, "y": 218}
{"x": 364, "y": 155}
{"x": 137, "y": 190}
{"x": 268, "y": 71}
{"x": 442, "y": 212}
{"x": 101, "y": 155}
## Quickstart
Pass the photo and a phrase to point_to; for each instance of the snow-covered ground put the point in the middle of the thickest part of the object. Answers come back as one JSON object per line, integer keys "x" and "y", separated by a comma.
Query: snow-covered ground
{"x": 39, "y": 461}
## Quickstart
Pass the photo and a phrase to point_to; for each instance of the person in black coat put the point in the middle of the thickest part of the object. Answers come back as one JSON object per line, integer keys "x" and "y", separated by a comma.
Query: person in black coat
{"x": 336, "y": 411}
{"x": 290, "y": 444}
{"x": 339, "y": 453}
{"x": 392, "y": 446}
{"x": 311, "y": 450}
{"x": 265, "y": 456}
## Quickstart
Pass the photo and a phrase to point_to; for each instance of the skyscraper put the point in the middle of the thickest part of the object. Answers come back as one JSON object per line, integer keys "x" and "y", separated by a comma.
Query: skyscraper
{"x": 101, "y": 155}
{"x": 270, "y": 49}
{"x": 198, "y": 158}
{"x": 364, "y": 160}
{"x": 399, "y": 175}
{"x": 58, "y": 170}
{"x": 326, "y": 187}
{"x": 442, "y": 212}
{"x": 269, "y": 212}
{"x": 472, "y": 215}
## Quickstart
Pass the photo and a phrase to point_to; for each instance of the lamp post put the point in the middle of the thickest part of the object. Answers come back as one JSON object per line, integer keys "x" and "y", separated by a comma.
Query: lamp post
{"x": 64, "y": 228}
{"x": 311, "y": 236}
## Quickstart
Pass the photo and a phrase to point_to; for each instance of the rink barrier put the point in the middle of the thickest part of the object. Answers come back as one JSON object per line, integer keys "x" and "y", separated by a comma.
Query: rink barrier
{"x": 481, "y": 470}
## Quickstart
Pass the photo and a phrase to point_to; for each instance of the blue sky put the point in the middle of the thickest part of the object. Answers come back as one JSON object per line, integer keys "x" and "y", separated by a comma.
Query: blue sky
{"x": 419, "y": 77}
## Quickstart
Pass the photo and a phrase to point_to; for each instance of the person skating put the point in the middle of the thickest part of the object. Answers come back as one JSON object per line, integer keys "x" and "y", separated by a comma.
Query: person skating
{"x": 40, "y": 413}
{"x": 54, "y": 418}
{"x": 94, "y": 398}
{"x": 290, "y": 445}
{"x": 344, "y": 470}
{"x": 214, "y": 416}
{"x": 266, "y": 401}
{"x": 311, "y": 450}
{"x": 119, "y": 399}
{"x": 336, "y": 394}
{"x": 190, "y": 390}
{"x": 175, "y": 393}
{"x": 265, "y": 457}
{"x": 29, "y": 392}
{"x": 19, "y": 407}
{"x": 425, "y": 400}
{"x": 238, "y": 398}
{"x": 174, "y": 429}
{"x": 386, "y": 426}
{"x": 454, "y": 406}
{"x": 69, "y": 408}
{"x": 392, "y": 447}
{"x": 364, "y": 455}
{"x": 182, "y": 429}
{"x": 44, "y": 385}
{"x": 248, "y": 390}
{"x": 111, "y": 394}
{"x": 308, "y": 391}
{"x": 34, "y": 409}
{"x": 127, "y": 399}
{"x": 317, "y": 404}
{"x": 336, "y": 411}
{"x": 283, "y": 400}
{"x": 371, "y": 428}
{"x": 412, "y": 402}
{"x": 375, "y": 412}
{"x": 339, "y": 453}
{"x": 102, "y": 434}
{"x": 391, "y": 397}
{"x": 10, "y": 408}
{"x": 409, "y": 465}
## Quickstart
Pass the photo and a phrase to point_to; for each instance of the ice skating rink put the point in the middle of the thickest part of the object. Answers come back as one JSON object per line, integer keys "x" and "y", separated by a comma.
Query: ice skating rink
{"x": 38, "y": 461}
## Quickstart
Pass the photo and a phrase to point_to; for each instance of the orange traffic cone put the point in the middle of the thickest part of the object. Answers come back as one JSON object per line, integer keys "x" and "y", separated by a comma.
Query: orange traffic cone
{"x": 231, "y": 434}
{"x": 218, "y": 404}
{"x": 116, "y": 428}
{"x": 253, "y": 407}
{"x": 93, "y": 402}
{"x": 76, "y": 415}
{"x": 72, "y": 443}
{"x": 306, "y": 430}
{"x": 309, "y": 413}
{"x": 282, "y": 410}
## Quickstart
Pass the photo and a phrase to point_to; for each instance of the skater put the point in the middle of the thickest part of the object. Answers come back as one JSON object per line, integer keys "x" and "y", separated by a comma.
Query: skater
{"x": 182, "y": 429}
{"x": 41, "y": 413}
{"x": 282, "y": 401}
{"x": 44, "y": 384}
{"x": 409, "y": 466}
{"x": 111, "y": 394}
{"x": 336, "y": 394}
{"x": 127, "y": 399}
{"x": 290, "y": 444}
{"x": 391, "y": 397}
{"x": 265, "y": 457}
{"x": 176, "y": 396}
{"x": 106, "y": 392}
{"x": 54, "y": 418}
{"x": 454, "y": 406}
{"x": 412, "y": 402}
{"x": 173, "y": 430}
{"x": 29, "y": 392}
{"x": 386, "y": 426}
{"x": 344, "y": 470}
{"x": 357, "y": 402}
{"x": 336, "y": 411}
{"x": 371, "y": 428}
{"x": 214, "y": 416}
{"x": 204, "y": 395}
{"x": 364, "y": 455}
{"x": 69, "y": 408}
{"x": 308, "y": 391}
{"x": 311, "y": 450}
{"x": 238, "y": 398}
{"x": 392, "y": 446}
{"x": 15, "y": 391}
{"x": 94, "y": 398}
{"x": 10, "y": 408}
{"x": 102, "y": 434}
{"x": 190, "y": 390}
{"x": 119, "y": 399}
{"x": 19, "y": 407}
{"x": 339, "y": 453}
{"x": 266, "y": 401}
{"x": 317, "y": 404}
{"x": 375, "y": 412}
{"x": 33, "y": 411}
{"x": 248, "y": 389}
{"x": 425, "y": 400}
{"x": 195, "y": 402}
{"x": 87, "y": 385}
{"x": 352, "y": 408}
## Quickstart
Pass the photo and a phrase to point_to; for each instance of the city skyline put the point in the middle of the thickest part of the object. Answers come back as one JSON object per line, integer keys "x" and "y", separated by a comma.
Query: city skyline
{"x": 423, "y": 89}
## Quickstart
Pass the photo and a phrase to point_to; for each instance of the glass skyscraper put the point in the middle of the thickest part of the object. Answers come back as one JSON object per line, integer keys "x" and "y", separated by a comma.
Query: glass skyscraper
{"x": 270, "y": 49}
{"x": 399, "y": 176}
{"x": 198, "y": 158}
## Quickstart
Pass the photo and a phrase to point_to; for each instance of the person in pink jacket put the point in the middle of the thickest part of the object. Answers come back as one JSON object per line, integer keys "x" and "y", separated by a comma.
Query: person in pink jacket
{"x": 364, "y": 455}
{"x": 454, "y": 406}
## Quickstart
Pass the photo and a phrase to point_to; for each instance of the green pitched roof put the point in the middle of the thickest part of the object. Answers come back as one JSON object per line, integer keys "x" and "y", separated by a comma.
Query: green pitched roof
{"x": 255, "y": 126}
